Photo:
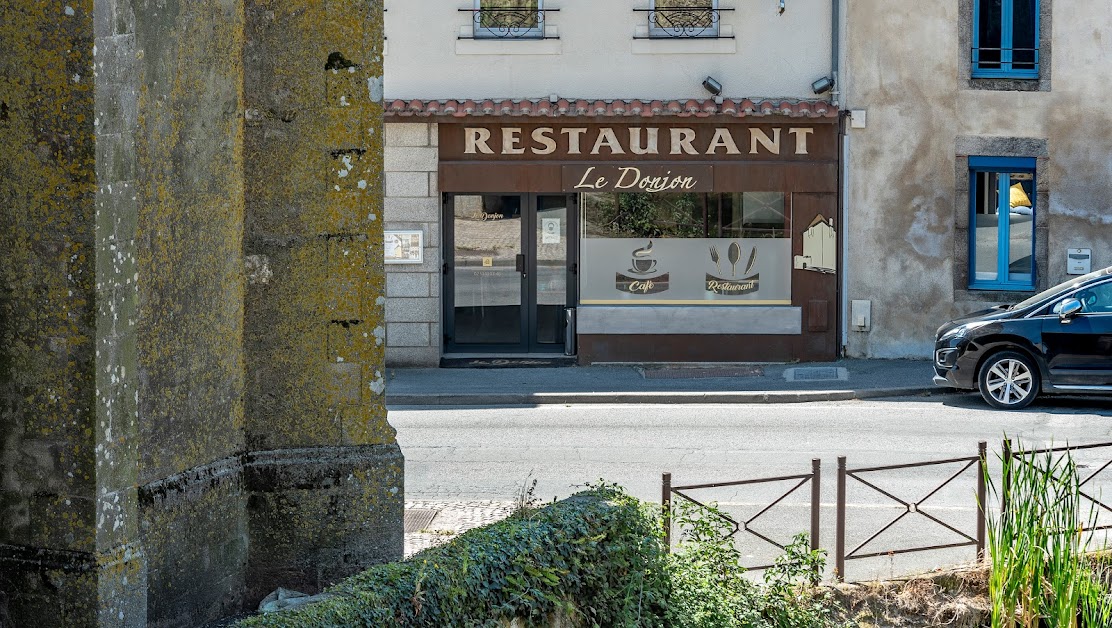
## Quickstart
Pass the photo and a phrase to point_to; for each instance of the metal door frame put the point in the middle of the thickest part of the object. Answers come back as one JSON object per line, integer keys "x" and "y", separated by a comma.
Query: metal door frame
{"x": 528, "y": 342}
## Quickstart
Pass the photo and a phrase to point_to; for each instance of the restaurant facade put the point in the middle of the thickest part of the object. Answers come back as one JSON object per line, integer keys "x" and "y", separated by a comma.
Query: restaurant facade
{"x": 612, "y": 231}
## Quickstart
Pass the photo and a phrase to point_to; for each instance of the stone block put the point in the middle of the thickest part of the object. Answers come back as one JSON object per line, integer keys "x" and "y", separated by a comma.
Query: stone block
{"x": 113, "y": 17}
{"x": 412, "y": 310}
{"x": 434, "y": 134}
{"x": 412, "y": 209}
{"x": 407, "y": 285}
{"x": 413, "y": 356}
{"x": 407, "y": 159}
{"x": 406, "y": 134}
{"x": 407, "y": 335}
{"x": 407, "y": 184}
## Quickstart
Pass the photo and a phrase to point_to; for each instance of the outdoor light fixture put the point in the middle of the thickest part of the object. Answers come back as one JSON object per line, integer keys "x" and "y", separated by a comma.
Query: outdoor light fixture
{"x": 712, "y": 85}
{"x": 824, "y": 84}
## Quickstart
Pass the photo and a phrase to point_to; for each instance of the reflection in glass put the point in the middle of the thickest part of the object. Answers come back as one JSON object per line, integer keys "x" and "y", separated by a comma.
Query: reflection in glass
{"x": 642, "y": 215}
{"x": 1004, "y": 221}
{"x": 1021, "y": 226}
{"x": 987, "y": 226}
{"x": 552, "y": 275}
{"x": 487, "y": 282}
{"x": 748, "y": 215}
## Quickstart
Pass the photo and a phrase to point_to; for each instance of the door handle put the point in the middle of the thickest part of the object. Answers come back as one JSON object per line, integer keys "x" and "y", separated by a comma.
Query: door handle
{"x": 519, "y": 264}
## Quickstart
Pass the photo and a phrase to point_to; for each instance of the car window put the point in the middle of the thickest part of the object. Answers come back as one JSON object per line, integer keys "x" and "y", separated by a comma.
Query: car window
{"x": 1062, "y": 287}
{"x": 1094, "y": 299}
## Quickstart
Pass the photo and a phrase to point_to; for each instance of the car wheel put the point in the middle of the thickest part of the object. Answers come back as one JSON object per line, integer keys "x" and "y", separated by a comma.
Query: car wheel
{"x": 1009, "y": 380}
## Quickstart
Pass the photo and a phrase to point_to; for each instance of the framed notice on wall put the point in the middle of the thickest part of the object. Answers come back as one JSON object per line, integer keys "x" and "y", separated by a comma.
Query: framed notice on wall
{"x": 404, "y": 247}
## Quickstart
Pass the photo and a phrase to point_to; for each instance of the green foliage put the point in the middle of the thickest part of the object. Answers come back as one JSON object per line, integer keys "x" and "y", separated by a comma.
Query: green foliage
{"x": 709, "y": 588}
{"x": 1037, "y": 546}
{"x": 642, "y": 215}
{"x": 596, "y": 557}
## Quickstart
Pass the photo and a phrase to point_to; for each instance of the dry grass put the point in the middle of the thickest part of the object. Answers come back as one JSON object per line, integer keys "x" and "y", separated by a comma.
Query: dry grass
{"x": 955, "y": 599}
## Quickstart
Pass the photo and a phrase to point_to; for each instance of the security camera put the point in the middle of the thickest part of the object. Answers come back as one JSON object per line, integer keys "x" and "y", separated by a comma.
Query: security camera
{"x": 822, "y": 85}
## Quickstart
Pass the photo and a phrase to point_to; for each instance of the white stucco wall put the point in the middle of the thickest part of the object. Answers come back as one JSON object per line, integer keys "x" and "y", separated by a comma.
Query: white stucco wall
{"x": 904, "y": 68}
{"x": 596, "y": 55}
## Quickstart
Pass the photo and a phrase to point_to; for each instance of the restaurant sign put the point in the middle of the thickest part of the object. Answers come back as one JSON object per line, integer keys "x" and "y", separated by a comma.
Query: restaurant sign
{"x": 641, "y": 178}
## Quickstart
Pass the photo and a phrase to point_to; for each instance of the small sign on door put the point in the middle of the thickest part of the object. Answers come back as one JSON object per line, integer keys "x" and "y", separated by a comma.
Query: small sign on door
{"x": 550, "y": 230}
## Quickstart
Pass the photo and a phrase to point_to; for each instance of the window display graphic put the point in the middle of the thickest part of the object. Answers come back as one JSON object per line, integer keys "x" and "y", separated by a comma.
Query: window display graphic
{"x": 820, "y": 247}
{"x": 717, "y": 284}
{"x": 642, "y": 269}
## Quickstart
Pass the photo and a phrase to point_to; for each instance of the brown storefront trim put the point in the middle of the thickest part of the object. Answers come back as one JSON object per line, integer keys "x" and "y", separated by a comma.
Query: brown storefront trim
{"x": 693, "y": 348}
{"x": 511, "y": 177}
{"x": 579, "y": 140}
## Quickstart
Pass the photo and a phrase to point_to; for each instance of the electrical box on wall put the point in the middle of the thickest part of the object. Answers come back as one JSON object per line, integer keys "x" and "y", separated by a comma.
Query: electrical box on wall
{"x": 1079, "y": 261}
{"x": 860, "y": 315}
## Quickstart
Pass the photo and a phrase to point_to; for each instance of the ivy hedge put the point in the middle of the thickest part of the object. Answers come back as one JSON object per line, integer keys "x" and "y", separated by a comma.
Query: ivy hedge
{"x": 595, "y": 558}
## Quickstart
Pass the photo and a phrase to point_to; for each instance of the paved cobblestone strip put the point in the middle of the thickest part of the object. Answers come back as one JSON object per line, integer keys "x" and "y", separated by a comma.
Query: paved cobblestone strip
{"x": 453, "y": 519}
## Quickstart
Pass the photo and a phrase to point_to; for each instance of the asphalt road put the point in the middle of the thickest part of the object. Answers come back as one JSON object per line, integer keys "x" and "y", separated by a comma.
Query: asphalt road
{"x": 492, "y": 453}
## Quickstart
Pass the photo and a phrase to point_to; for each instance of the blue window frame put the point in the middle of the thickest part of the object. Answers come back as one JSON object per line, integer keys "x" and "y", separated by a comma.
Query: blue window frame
{"x": 1002, "y": 223}
{"x": 1006, "y": 39}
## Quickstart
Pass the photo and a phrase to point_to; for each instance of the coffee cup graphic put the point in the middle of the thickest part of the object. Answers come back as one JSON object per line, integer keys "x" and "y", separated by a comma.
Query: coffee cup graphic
{"x": 642, "y": 263}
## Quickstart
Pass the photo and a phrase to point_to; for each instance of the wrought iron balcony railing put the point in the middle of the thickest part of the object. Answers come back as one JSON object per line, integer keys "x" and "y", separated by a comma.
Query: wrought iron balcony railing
{"x": 508, "y": 23}
{"x": 684, "y": 23}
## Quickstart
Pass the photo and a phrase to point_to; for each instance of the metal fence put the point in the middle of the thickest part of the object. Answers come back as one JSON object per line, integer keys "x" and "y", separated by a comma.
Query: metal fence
{"x": 1086, "y": 483}
{"x": 912, "y": 508}
{"x": 744, "y": 526}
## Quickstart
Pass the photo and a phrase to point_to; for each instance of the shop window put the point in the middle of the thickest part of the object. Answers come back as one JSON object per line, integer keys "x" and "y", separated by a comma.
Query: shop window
{"x": 508, "y": 19}
{"x": 1005, "y": 39}
{"x": 684, "y": 18}
{"x": 1002, "y": 223}
{"x": 686, "y": 248}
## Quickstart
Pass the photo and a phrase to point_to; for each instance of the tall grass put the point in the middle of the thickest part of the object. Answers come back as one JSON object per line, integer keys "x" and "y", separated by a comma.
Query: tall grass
{"x": 1038, "y": 547}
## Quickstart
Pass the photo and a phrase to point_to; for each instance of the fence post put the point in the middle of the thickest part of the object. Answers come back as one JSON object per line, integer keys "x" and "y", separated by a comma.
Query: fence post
{"x": 982, "y": 496}
{"x": 666, "y": 509}
{"x": 840, "y": 528}
{"x": 816, "y": 494}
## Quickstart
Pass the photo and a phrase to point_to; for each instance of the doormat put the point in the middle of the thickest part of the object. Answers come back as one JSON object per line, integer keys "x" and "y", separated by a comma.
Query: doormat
{"x": 702, "y": 373}
{"x": 506, "y": 363}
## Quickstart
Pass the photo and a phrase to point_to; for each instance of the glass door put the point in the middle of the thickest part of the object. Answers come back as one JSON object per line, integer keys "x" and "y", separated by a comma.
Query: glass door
{"x": 507, "y": 271}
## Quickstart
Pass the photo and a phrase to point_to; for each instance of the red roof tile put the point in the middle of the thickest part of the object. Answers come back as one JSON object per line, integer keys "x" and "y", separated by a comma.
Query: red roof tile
{"x": 542, "y": 108}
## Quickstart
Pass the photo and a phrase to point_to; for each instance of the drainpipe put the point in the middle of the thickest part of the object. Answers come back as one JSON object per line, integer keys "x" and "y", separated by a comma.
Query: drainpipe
{"x": 843, "y": 174}
{"x": 835, "y": 50}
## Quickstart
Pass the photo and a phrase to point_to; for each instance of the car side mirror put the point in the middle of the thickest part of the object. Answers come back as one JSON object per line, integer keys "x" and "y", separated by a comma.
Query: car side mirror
{"x": 1069, "y": 309}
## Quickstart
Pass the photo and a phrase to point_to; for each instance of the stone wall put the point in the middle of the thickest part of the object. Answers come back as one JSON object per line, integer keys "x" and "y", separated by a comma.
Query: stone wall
{"x": 413, "y": 333}
{"x": 324, "y": 471}
{"x": 191, "y": 361}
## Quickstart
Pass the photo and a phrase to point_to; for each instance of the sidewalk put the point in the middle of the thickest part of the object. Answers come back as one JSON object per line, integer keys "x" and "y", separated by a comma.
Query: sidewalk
{"x": 661, "y": 383}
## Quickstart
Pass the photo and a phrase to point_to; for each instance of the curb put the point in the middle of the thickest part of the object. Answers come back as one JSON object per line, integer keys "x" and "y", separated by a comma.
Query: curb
{"x": 577, "y": 398}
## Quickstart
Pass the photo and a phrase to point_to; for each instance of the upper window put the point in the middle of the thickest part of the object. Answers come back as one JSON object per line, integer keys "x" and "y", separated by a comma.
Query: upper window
{"x": 1002, "y": 223}
{"x": 1006, "y": 39}
{"x": 509, "y": 19}
{"x": 684, "y": 18}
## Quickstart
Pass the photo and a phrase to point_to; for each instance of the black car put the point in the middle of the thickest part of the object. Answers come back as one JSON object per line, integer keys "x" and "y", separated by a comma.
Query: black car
{"x": 1058, "y": 341}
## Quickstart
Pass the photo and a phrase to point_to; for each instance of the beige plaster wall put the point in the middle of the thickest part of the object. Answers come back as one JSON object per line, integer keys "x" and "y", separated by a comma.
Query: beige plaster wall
{"x": 902, "y": 205}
